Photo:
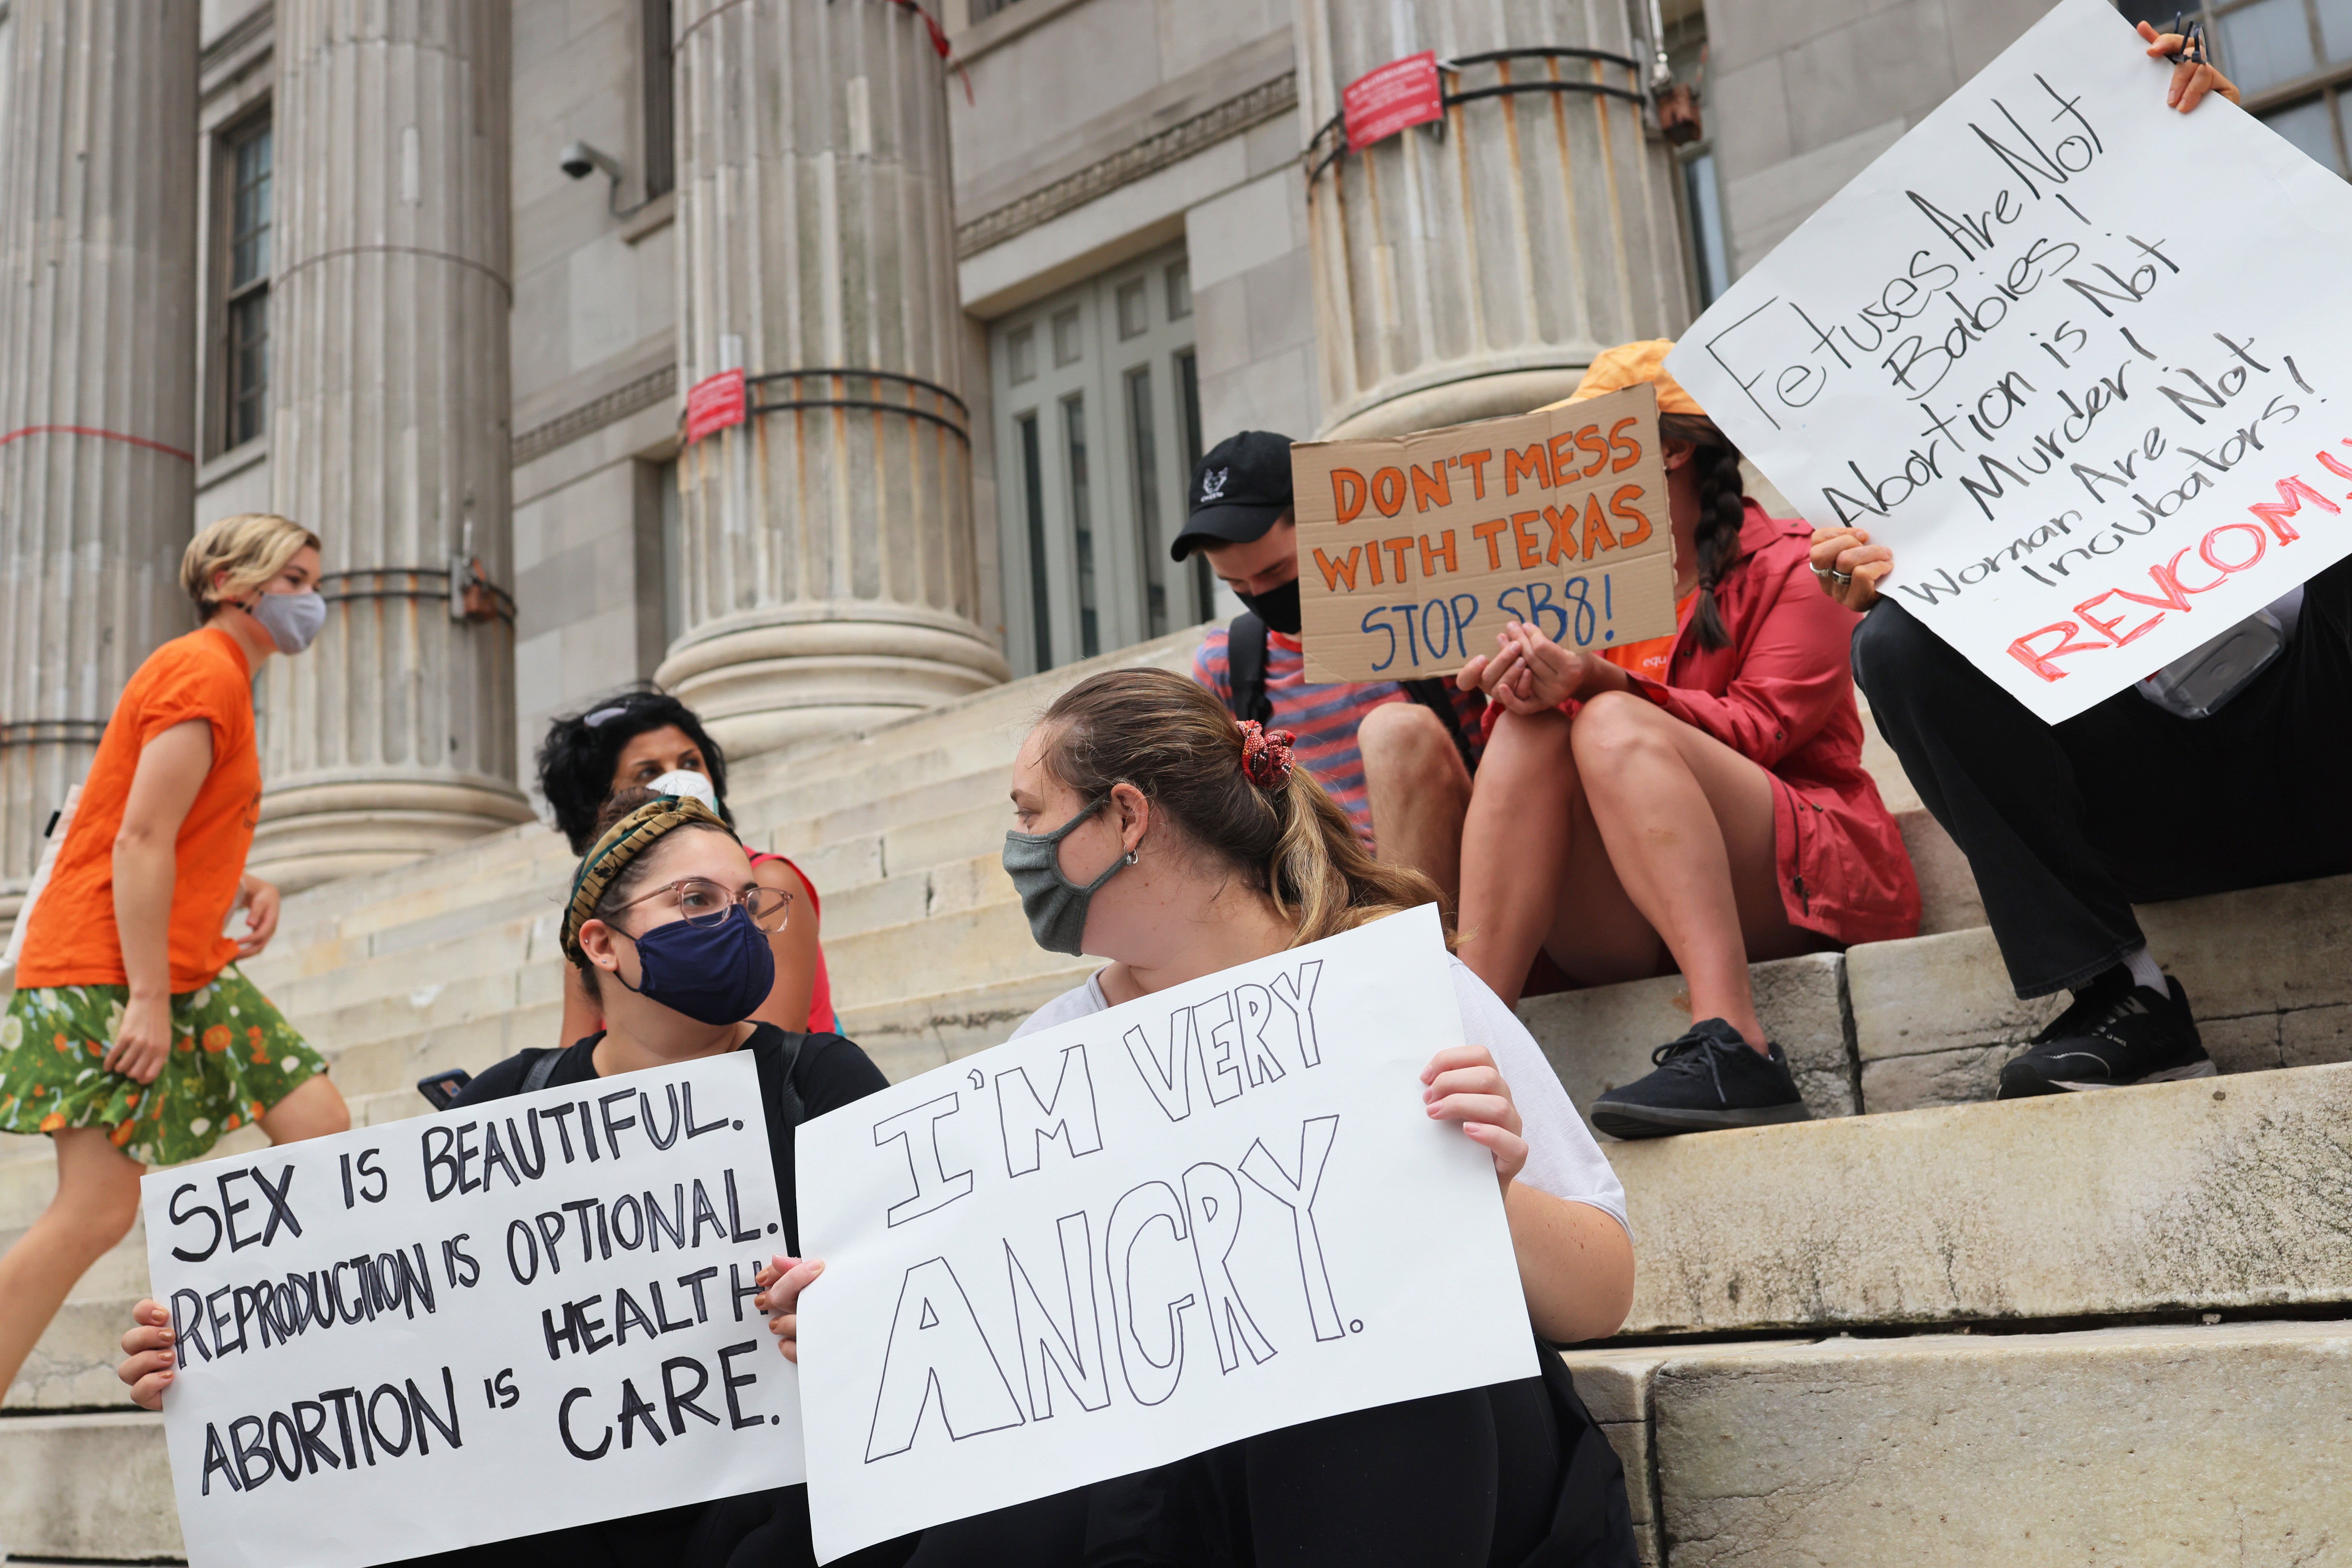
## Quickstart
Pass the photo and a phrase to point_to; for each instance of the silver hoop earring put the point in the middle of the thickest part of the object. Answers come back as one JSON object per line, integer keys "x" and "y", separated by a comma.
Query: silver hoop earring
{"x": 1130, "y": 856}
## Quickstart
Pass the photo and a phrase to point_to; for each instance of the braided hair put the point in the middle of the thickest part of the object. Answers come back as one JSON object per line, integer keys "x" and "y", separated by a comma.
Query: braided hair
{"x": 1722, "y": 508}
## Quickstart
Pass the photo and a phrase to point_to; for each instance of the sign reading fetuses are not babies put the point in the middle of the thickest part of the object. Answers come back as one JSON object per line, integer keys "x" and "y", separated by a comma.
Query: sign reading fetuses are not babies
{"x": 477, "y": 1325}
{"x": 1212, "y": 1212}
{"x": 2081, "y": 360}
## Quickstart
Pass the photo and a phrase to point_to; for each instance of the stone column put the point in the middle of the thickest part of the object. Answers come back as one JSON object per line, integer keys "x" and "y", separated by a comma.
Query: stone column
{"x": 97, "y": 382}
{"x": 1475, "y": 270}
{"x": 829, "y": 556}
{"x": 394, "y": 736}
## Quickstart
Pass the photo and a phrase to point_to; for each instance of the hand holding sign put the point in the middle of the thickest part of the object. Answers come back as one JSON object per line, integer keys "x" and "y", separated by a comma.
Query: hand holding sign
{"x": 1414, "y": 551}
{"x": 533, "y": 1311}
{"x": 2085, "y": 432}
{"x": 1142, "y": 1234}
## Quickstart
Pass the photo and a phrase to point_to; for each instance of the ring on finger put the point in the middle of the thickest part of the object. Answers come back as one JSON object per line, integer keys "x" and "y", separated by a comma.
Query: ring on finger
{"x": 1842, "y": 579}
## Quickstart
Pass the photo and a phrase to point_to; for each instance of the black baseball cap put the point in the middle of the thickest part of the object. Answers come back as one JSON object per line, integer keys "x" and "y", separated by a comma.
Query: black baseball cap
{"x": 1238, "y": 490}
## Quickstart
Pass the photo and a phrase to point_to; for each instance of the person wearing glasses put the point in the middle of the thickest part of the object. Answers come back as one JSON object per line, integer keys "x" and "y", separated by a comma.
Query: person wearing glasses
{"x": 132, "y": 1039}
{"x": 668, "y": 929}
{"x": 650, "y": 740}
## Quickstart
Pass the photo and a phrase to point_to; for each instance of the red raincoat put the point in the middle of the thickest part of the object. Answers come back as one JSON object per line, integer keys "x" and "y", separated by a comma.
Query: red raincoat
{"x": 1782, "y": 696}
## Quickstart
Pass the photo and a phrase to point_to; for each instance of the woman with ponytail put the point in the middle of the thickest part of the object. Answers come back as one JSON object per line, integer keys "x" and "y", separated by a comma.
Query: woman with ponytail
{"x": 1153, "y": 830}
{"x": 1693, "y": 805}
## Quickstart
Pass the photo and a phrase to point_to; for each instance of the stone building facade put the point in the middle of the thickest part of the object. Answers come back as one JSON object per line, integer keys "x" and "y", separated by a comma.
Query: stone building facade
{"x": 435, "y": 278}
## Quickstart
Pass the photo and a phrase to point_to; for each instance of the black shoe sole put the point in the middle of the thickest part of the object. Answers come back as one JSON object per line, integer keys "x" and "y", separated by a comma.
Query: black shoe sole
{"x": 2182, "y": 1074}
{"x": 1631, "y": 1122}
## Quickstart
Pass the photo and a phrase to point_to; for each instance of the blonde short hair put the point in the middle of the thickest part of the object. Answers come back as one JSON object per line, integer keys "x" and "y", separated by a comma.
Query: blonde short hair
{"x": 251, "y": 548}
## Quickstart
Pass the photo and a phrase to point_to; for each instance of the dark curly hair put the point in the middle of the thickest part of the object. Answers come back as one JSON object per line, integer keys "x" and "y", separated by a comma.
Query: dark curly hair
{"x": 1722, "y": 508}
{"x": 576, "y": 760}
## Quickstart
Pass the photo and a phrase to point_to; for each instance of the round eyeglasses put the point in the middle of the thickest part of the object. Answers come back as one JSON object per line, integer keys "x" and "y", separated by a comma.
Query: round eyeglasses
{"x": 702, "y": 902}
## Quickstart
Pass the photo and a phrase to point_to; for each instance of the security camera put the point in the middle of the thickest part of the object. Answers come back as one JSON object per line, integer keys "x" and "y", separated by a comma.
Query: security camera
{"x": 579, "y": 159}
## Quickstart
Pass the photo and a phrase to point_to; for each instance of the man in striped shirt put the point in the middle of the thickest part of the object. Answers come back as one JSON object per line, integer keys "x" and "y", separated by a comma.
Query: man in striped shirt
{"x": 1391, "y": 763}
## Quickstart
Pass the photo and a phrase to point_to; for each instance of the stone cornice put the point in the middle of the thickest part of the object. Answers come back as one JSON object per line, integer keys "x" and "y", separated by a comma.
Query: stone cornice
{"x": 1148, "y": 156}
{"x": 618, "y": 404}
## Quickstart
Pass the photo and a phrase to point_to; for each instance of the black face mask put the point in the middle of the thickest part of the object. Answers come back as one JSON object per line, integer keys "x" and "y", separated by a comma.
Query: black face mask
{"x": 1278, "y": 608}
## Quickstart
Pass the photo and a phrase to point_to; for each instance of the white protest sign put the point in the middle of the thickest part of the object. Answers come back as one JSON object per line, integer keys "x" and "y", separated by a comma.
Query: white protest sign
{"x": 1216, "y": 1210}
{"x": 2081, "y": 360}
{"x": 485, "y": 1324}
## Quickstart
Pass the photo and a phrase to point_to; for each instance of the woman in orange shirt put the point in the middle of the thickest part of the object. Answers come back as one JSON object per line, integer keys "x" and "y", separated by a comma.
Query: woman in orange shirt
{"x": 132, "y": 1037}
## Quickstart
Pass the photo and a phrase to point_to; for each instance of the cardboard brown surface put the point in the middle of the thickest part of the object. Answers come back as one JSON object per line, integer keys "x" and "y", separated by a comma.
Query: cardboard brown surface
{"x": 1415, "y": 550}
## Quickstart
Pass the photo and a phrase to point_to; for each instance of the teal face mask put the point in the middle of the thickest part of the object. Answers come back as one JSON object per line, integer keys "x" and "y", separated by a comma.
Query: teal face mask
{"x": 1056, "y": 907}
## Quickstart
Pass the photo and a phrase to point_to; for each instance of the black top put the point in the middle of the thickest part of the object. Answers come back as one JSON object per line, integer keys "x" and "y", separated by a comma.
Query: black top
{"x": 829, "y": 1072}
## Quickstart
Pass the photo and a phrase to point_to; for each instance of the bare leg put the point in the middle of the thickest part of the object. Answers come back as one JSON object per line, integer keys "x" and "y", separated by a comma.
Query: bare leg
{"x": 1535, "y": 872}
{"x": 1688, "y": 824}
{"x": 1419, "y": 790}
{"x": 96, "y": 1200}
{"x": 314, "y": 1110}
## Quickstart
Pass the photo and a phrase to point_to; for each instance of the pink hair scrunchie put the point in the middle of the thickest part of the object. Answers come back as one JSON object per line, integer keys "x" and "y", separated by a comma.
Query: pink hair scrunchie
{"x": 1265, "y": 754}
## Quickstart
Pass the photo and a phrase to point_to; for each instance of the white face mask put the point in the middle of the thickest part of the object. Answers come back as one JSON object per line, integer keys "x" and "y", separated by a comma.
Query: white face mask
{"x": 292, "y": 620}
{"x": 686, "y": 782}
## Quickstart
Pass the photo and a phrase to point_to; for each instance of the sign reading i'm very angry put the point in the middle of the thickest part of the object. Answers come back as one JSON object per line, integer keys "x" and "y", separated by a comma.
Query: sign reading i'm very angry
{"x": 1210, "y": 1213}
{"x": 490, "y": 1323}
{"x": 2081, "y": 360}
{"x": 1415, "y": 550}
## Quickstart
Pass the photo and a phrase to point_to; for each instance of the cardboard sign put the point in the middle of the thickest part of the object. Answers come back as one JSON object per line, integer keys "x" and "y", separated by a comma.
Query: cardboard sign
{"x": 1392, "y": 98}
{"x": 714, "y": 403}
{"x": 1415, "y": 550}
{"x": 1107, "y": 1245}
{"x": 467, "y": 1327}
{"x": 2082, "y": 361}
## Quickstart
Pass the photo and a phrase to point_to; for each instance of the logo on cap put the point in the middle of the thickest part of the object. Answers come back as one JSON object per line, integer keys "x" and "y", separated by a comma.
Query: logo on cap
{"x": 1213, "y": 484}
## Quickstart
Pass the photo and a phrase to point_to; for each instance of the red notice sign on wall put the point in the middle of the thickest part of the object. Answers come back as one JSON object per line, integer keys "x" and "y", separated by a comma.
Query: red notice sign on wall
{"x": 1384, "y": 101}
{"x": 713, "y": 403}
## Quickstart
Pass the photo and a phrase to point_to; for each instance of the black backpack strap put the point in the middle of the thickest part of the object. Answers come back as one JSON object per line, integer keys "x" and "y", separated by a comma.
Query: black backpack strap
{"x": 1437, "y": 696}
{"x": 541, "y": 1070}
{"x": 790, "y": 1056}
{"x": 1245, "y": 669}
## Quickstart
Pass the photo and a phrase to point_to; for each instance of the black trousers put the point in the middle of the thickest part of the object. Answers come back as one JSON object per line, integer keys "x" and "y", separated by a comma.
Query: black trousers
{"x": 756, "y": 1530}
{"x": 2067, "y": 825}
{"x": 1513, "y": 1475}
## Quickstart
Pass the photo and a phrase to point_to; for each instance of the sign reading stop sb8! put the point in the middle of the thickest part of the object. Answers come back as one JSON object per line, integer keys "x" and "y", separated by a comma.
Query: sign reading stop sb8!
{"x": 1415, "y": 551}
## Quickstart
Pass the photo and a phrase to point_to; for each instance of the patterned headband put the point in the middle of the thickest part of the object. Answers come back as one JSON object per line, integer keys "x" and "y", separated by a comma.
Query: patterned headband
{"x": 622, "y": 843}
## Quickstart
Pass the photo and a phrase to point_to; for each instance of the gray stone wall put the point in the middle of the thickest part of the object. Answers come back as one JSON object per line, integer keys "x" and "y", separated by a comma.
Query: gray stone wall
{"x": 1801, "y": 97}
{"x": 594, "y": 365}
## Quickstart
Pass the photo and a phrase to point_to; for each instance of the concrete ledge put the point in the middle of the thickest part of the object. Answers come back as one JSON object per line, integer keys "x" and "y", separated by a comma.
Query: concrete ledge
{"x": 2268, "y": 972}
{"x": 1600, "y": 1039}
{"x": 86, "y": 1488}
{"x": 2235, "y": 1193}
{"x": 2139, "y": 1447}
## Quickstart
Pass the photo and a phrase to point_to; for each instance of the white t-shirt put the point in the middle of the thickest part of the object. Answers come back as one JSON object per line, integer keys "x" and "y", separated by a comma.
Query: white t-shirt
{"x": 1563, "y": 1158}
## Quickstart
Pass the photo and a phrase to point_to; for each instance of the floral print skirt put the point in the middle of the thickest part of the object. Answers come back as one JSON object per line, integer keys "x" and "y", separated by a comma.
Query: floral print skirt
{"x": 232, "y": 1058}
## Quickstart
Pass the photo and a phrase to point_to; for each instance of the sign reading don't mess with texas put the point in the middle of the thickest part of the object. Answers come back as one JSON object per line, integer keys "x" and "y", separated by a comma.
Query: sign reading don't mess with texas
{"x": 1415, "y": 550}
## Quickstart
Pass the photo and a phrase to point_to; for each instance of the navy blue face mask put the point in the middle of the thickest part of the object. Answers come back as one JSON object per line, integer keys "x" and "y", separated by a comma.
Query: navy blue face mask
{"x": 714, "y": 975}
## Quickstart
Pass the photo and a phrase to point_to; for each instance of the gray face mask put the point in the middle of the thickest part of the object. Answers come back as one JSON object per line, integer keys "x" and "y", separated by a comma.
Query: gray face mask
{"x": 1056, "y": 907}
{"x": 292, "y": 620}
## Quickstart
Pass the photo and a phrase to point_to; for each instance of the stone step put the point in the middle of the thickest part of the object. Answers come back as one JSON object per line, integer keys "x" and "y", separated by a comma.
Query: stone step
{"x": 917, "y": 1034}
{"x": 2151, "y": 1446}
{"x": 999, "y": 715}
{"x": 2227, "y": 1194}
{"x": 93, "y": 1488}
{"x": 2268, "y": 972}
{"x": 1601, "y": 1039}
{"x": 72, "y": 1367}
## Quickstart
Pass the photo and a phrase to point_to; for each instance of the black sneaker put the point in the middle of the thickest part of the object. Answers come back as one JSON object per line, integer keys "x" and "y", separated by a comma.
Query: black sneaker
{"x": 1709, "y": 1079}
{"x": 2116, "y": 1033}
